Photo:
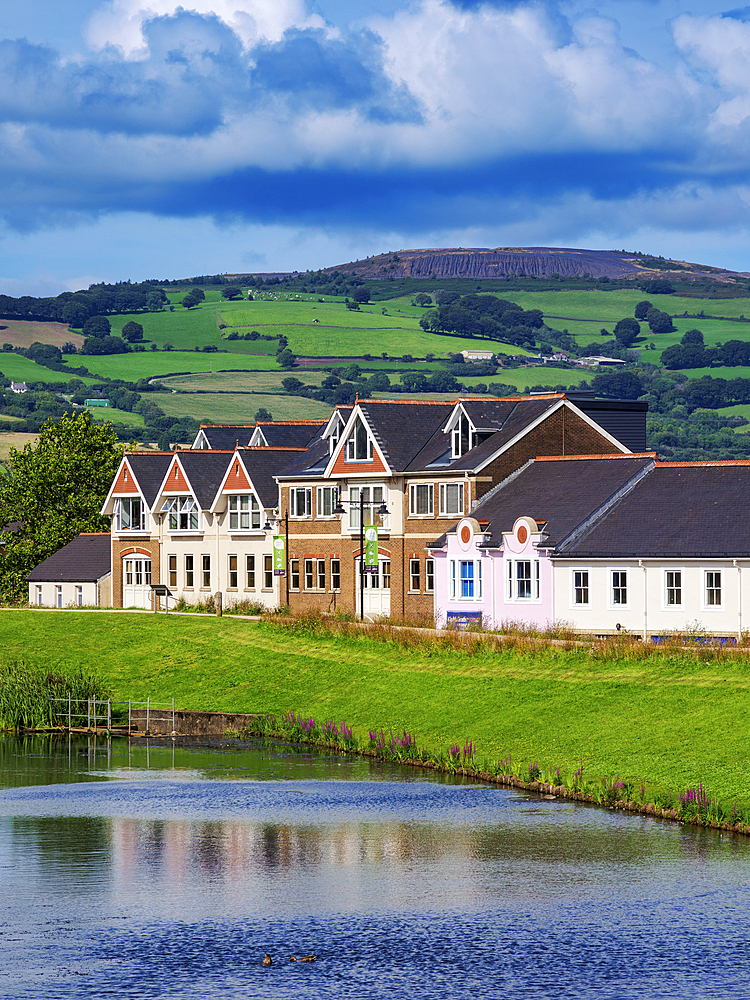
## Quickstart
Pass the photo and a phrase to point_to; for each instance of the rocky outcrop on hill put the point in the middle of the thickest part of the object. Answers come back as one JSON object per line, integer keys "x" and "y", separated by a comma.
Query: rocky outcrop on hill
{"x": 541, "y": 262}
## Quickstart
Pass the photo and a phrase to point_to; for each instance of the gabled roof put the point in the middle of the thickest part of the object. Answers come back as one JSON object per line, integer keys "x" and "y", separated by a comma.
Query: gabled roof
{"x": 263, "y": 465}
{"x": 686, "y": 510}
{"x": 204, "y": 472}
{"x": 563, "y": 492}
{"x": 285, "y": 433}
{"x": 149, "y": 469}
{"x": 314, "y": 460}
{"x": 402, "y": 428}
{"x": 224, "y": 437}
{"x": 84, "y": 560}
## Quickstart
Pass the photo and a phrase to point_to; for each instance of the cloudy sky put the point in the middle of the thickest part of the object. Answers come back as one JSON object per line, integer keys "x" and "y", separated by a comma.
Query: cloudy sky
{"x": 141, "y": 138}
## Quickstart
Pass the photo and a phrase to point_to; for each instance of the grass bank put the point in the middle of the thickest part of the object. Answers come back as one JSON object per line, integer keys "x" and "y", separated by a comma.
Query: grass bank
{"x": 673, "y": 720}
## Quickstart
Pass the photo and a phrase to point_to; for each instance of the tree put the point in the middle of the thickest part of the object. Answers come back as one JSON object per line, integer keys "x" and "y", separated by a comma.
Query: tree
{"x": 132, "y": 331}
{"x": 627, "y": 330}
{"x": 659, "y": 322}
{"x": 422, "y": 299}
{"x": 285, "y": 358}
{"x": 693, "y": 338}
{"x": 263, "y": 414}
{"x": 292, "y": 384}
{"x": 231, "y": 292}
{"x": 642, "y": 309}
{"x": 193, "y": 298}
{"x": 53, "y": 491}
{"x": 361, "y": 294}
{"x": 97, "y": 326}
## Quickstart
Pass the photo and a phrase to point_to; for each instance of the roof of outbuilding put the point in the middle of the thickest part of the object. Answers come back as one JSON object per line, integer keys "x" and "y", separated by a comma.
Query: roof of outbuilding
{"x": 691, "y": 510}
{"x": 84, "y": 560}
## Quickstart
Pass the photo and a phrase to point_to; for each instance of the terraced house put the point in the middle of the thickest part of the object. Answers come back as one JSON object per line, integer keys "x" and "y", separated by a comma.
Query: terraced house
{"x": 196, "y": 521}
{"x": 413, "y": 469}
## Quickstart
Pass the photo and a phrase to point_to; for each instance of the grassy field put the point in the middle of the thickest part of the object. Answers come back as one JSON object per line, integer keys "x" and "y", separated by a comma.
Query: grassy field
{"x": 151, "y": 364}
{"x": 670, "y": 720}
{"x": 14, "y": 439}
{"x": 102, "y": 414}
{"x": 237, "y": 408}
{"x": 23, "y": 333}
{"x": 240, "y": 381}
{"x": 20, "y": 369}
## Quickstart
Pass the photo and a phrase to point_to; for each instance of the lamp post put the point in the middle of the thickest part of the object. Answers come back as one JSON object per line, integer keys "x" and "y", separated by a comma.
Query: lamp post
{"x": 339, "y": 510}
{"x": 267, "y": 527}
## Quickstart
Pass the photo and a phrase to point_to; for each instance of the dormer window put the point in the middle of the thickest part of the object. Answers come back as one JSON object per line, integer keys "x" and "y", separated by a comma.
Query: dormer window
{"x": 130, "y": 514}
{"x": 334, "y": 436}
{"x": 359, "y": 444}
{"x": 461, "y": 439}
{"x": 183, "y": 513}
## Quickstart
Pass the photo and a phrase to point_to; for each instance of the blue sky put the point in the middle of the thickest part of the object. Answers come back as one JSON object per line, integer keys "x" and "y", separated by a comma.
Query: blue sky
{"x": 144, "y": 138}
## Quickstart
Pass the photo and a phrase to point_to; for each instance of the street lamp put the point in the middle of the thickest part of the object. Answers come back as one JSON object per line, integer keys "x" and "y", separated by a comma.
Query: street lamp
{"x": 339, "y": 510}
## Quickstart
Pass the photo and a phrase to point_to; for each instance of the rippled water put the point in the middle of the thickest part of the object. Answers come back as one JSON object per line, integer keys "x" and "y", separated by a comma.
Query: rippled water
{"x": 169, "y": 871}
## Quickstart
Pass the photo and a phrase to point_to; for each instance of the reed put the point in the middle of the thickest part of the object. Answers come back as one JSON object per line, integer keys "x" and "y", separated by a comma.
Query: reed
{"x": 28, "y": 690}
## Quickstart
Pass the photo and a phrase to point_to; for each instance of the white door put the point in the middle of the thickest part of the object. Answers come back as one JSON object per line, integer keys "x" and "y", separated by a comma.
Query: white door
{"x": 377, "y": 590}
{"x": 136, "y": 582}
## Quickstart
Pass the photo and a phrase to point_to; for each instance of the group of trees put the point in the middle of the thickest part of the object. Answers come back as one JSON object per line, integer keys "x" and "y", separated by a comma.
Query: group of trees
{"x": 483, "y": 316}
{"x": 74, "y": 308}
{"x": 658, "y": 321}
{"x": 692, "y": 352}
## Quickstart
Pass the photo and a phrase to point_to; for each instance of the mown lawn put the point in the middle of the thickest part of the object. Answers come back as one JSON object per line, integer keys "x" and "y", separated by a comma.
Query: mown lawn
{"x": 670, "y": 720}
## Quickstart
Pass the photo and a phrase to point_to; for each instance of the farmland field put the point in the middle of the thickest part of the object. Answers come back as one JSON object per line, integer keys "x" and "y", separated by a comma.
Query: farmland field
{"x": 151, "y": 364}
{"x": 23, "y": 333}
{"x": 20, "y": 369}
{"x": 103, "y": 414}
{"x": 237, "y": 408}
{"x": 14, "y": 439}
{"x": 240, "y": 381}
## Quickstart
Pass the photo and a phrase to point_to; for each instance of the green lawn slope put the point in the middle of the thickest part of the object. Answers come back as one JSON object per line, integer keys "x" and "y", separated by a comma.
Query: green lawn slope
{"x": 670, "y": 720}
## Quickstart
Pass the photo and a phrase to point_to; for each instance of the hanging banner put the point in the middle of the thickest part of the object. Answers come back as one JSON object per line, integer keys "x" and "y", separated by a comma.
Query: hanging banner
{"x": 279, "y": 555}
{"x": 371, "y": 550}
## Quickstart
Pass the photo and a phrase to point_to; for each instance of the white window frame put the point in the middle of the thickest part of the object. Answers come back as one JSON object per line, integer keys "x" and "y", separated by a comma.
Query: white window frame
{"x": 183, "y": 515}
{"x": 172, "y": 573}
{"x": 583, "y": 586}
{"x": 244, "y": 507}
{"x": 79, "y": 595}
{"x": 513, "y": 581}
{"x": 335, "y": 575}
{"x": 233, "y": 572}
{"x": 39, "y": 595}
{"x": 415, "y": 575}
{"x": 475, "y": 579}
{"x": 705, "y": 573}
{"x": 353, "y": 442}
{"x": 205, "y": 570}
{"x": 250, "y": 571}
{"x": 429, "y": 576}
{"x": 58, "y": 596}
{"x": 294, "y": 574}
{"x": 414, "y": 489}
{"x": 452, "y": 580}
{"x": 323, "y": 494}
{"x": 666, "y": 606}
{"x": 267, "y": 572}
{"x": 121, "y": 503}
{"x": 305, "y": 492}
{"x": 371, "y": 505}
{"x": 189, "y": 571}
{"x": 612, "y": 604}
{"x": 444, "y": 512}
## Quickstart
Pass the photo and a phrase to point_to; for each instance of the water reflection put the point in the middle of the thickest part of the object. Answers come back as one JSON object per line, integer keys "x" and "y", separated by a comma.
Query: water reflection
{"x": 167, "y": 883}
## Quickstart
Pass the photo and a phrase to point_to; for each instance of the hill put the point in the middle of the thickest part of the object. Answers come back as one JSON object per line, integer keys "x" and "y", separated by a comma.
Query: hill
{"x": 539, "y": 262}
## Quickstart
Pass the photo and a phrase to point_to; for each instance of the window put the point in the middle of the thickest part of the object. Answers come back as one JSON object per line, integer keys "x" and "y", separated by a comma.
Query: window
{"x": 414, "y": 574}
{"x": 79, "y": 596}
{"x": 233, "y": 572}
{"x": 183, "y": 513}
{"x": 429, "y": 576}
{"x": 328, "y": 497}
{"x": 268, "y": 572}
{"x": 309, "y": 574}
{"x": 460, "y": 436}
{"x": 244, "y": 512}
{"x": 206, "y": 571}
{"x": 300, "y": 501}
{"x": 374, "y": 496}
{"x": 189, "y": 571}
{"x": 172, "y": 569}
{"x": 451, "y": 499}
{"x": 581, "y": 586}
{"x": 58, "y": 596}
{"x": 359, "y": 444}
{"x": 38, "y": 594}
{"x": 333, "y": 439}
{"x": 385, "y": 568}
{"x": 137, "y": 572}
{"x": 130, "y": 514}
{"x": 467, "y": 578}
{"x": 674, "y": 588}
{"x": 421, "y": 500}
{"x": 713, "y": 589}
{"x": 250, "y": 572}
{"x": 294, "y": 571}
{"x": 335, "y": 574}
{"x": 619, "y": 587}
{"x": 523, "y": 580}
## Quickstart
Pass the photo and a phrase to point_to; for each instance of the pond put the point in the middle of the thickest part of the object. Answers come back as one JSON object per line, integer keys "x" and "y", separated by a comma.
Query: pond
{"x": 169, "y": 870}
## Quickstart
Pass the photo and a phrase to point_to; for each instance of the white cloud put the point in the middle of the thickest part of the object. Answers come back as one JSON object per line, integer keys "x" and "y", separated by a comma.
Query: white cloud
{"x": 119, "y": 23}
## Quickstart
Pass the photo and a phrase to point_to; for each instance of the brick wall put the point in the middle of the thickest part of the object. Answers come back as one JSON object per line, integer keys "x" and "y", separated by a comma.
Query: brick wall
{"x": 121, "y": 548}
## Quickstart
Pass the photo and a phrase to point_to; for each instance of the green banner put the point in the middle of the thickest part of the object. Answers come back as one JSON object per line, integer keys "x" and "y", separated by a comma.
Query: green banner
{"x": 279, "y": 555}
{"x": 371, "y": 549}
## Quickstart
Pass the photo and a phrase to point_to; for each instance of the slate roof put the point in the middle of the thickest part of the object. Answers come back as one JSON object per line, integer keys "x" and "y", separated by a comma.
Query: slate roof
{"x": 263, "y": 464}
{"x": 226, "y": 437}
{"x": 84, "y": 560}
{"x": 315, "y": 459}
{"x": 690, "y": 510}
{"x": 290, "y": 433}
{"x": 149, "y": 471}
{"x": 402, "y": 428}
{"x": 562, "y": 492}
{"x": 205, "y": 471}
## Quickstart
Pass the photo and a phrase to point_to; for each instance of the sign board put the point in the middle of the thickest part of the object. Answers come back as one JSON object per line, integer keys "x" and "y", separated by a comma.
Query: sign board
{"x": 463, "y": 619}
{"x": 279, "y": 555}
{"x": 371, "y": 549}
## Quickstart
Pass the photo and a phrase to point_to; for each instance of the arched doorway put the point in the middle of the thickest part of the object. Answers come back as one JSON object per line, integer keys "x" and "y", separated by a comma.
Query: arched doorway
{"x": 136, "y": 580}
